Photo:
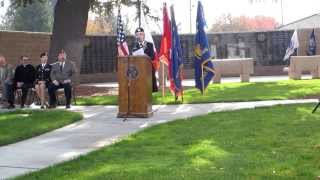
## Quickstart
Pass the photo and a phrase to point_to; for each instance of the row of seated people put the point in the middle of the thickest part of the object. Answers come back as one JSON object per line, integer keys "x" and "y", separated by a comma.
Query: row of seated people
{"x": 45, "y": 76}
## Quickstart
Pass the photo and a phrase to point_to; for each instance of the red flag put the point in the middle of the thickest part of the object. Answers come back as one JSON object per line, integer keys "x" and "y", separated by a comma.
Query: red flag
{"x": 164, "y": 54}
{"x": 165, "y": 48}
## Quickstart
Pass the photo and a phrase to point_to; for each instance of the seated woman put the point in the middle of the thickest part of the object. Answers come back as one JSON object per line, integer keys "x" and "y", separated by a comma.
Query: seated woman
{"x": 42, "y": 77}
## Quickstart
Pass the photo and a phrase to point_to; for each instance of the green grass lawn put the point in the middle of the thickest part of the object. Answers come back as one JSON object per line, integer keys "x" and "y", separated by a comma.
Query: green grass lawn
{"x": 281, "y": 142}
{"x": 229, "y": 92}
{"x": 19, "y": 125}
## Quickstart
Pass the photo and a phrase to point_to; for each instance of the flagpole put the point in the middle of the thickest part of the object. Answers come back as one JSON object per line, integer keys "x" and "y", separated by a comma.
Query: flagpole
{"x": 163, "y": 85}
{"x": 202, "y": 79}
{"x": 298, "y": 41}
{"x": 139, "y": 11}
{"x": 182, "y": 96}
{"x": 181, "y": 85}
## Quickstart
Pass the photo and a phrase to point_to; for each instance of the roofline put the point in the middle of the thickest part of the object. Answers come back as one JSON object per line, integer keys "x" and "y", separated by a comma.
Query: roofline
{"x": 318, "y": 14}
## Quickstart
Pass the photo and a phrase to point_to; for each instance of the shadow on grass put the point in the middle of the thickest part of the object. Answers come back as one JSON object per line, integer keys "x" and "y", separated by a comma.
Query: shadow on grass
{"x": 228, "y": 92}
{"x": 20, "y": 125}
{"x": 234, "y": 92}
{"x": 279, "y": 142}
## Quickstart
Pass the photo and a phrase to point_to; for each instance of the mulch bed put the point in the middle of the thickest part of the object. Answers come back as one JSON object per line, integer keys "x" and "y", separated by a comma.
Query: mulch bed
{"x": 95, "y": 91}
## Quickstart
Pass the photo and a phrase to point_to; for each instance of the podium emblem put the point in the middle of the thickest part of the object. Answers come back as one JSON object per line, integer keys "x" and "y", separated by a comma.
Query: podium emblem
{"x": 132, "y": 73}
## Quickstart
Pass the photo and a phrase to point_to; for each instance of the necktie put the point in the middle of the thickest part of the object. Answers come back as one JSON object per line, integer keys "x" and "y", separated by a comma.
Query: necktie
{"x": 61, "y": 66}
{"x": 1, "y": 73}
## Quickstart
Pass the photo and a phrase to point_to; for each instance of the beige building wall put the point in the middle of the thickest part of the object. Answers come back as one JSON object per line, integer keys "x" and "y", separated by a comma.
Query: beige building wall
{"x": 15, "y": 44}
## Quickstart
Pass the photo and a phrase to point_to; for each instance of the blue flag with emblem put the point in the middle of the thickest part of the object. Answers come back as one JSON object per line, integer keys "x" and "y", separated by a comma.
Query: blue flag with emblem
{"x": 203, "y": 67}
{"x": 176, "y": 57}
{"x": 312, "y": 48}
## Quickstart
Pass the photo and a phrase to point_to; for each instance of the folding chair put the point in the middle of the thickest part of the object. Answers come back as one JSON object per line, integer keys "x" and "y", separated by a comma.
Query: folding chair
{"x": 2, "y": 100}
{"x": 61, "y": 98}
{"x": 31, "y": 96}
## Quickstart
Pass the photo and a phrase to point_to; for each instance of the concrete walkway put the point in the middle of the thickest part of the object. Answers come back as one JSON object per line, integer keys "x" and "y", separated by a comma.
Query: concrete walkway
{"x": 101, "y": 128}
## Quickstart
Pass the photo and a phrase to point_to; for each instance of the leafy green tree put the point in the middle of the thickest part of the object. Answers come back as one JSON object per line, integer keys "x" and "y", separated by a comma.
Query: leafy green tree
{"x": 35, "y": 18}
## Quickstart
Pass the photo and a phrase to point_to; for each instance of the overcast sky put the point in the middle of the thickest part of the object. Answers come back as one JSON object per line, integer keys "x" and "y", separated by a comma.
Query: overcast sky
{"x": 292, "y": 10}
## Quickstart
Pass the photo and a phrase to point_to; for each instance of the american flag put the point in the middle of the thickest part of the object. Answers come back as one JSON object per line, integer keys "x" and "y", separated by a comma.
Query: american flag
{"x": 123, "y": 49}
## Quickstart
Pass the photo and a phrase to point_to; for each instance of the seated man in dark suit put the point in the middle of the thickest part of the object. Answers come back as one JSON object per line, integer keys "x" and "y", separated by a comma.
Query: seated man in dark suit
{"x": 61, "y": 75}
{"x": 148, "y": 49}
{"x": 24, "y": 77}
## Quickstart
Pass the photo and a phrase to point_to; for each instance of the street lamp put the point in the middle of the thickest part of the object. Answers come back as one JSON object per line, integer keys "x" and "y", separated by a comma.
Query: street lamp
{"x": 139, "y": 12}
{"x": 190, "y": 13}
{"x": 281, "y": 12}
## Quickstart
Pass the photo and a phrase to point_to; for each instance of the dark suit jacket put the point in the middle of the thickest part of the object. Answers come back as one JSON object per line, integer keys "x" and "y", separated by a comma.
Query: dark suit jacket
{"x": 67, "y": 73}
{"x": 25, "y": 74}
{"x": 43, "y": 74}
{"x": 147, "y": 46}
{"x": 148, "y": 50}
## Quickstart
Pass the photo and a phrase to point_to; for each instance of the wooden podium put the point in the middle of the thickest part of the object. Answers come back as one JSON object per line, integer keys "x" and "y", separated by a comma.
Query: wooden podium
{"x": 135, "y": 87}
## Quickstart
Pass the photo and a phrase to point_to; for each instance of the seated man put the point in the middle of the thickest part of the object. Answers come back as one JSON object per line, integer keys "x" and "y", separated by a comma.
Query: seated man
{"x": 61, "y": 75}
{"x": 24, "y": 78}
{"x": 6, "y": 82}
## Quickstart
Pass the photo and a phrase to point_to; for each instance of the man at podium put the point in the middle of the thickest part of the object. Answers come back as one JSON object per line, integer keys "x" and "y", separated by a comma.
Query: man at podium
{"x": 140, "y": 47}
